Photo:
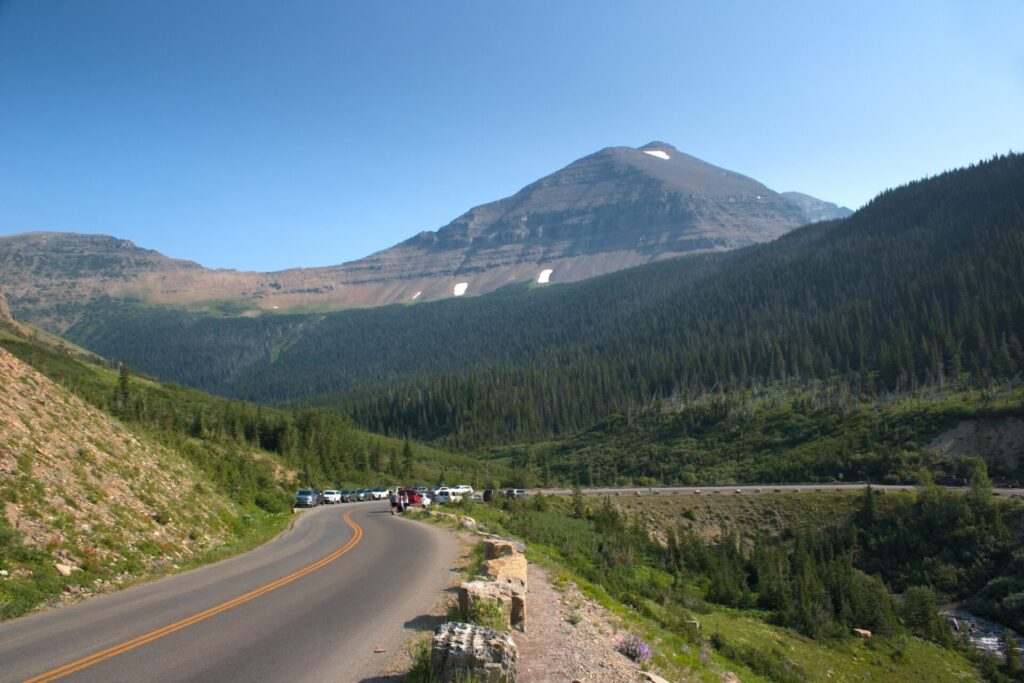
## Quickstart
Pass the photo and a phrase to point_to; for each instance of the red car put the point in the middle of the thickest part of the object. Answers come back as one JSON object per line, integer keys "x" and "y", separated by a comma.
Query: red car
{"x": 413, "y": 496}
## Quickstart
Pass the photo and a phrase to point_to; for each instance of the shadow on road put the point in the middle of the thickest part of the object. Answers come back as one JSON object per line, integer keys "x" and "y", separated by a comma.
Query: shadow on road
{"x": 393, "y": 678}
{"x": 426, "y": 622}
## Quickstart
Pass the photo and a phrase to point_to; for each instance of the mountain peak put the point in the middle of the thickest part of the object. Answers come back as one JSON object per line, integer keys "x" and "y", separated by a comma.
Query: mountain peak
{"x": 616, "y": 208}
{"x": 661, "y": 150}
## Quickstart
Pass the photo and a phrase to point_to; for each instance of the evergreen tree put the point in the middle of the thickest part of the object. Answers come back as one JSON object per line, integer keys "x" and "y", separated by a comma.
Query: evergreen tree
{"x": 407, "y": 459}
{"x": 123, "y": 391}
{"x": 1011, "y": 653}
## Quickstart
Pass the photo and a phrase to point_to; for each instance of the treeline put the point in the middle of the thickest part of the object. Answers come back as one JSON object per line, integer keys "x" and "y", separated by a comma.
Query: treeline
{"x": 922, "y": 287}
{"x": 796, "y": 433}
{"x": 247, "y": 449}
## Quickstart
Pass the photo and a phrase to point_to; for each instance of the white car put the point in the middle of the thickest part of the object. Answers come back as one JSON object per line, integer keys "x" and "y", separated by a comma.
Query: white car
{"x": 332, "y": 496}
{"x": 462, "y": 490}
{"x": 447, "y": 496}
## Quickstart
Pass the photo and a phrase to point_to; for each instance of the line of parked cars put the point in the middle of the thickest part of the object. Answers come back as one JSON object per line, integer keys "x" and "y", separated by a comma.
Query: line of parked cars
{"x": 418, "y": 495}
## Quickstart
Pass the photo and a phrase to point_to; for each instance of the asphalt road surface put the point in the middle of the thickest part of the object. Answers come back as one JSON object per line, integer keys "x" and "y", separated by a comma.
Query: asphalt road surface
{"x": 750, "y": 489}
{"x": 312, "y": 605}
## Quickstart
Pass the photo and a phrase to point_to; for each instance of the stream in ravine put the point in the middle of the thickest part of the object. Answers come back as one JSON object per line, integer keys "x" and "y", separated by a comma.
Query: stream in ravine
{"x": 984, "y": 634}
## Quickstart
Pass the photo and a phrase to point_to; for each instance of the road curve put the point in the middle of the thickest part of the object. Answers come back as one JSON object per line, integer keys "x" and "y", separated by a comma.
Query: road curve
{"x": 312, "y": 605}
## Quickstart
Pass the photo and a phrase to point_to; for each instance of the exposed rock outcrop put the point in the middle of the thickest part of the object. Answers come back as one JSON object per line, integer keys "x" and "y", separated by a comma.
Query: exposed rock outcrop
{"x": 471, "y": 652}
{"x": 509, "y": 569}
{"x": 502, "y": 579}
{"x": 511, "y": 598}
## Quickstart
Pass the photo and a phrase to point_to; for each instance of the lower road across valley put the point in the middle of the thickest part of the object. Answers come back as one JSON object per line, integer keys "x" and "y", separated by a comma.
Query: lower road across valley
{"x": 751, "y": 489}
{"x": 329, "y": 600}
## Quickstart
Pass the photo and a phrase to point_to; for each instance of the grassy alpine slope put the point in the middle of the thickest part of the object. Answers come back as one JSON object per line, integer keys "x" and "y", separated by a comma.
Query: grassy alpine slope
{"x": 90, "y": 503}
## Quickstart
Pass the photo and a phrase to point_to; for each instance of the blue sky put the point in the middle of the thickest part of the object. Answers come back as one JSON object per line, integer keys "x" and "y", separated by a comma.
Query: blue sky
{"x": 264, "y": 135}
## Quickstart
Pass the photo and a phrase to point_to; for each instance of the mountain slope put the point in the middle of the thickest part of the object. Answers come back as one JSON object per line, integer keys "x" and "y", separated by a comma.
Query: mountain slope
{"x": 86, "y": 496}
{"x": 631, "y": 205}
{"x": 617, "y": 208}
{"x": 923, "y": 286}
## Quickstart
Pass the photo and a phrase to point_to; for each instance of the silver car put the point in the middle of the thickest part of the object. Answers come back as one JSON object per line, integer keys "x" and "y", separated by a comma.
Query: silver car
{"x": 306, "y": 498}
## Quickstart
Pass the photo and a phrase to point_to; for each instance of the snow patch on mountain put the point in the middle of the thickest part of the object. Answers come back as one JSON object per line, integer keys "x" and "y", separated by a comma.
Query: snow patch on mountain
{"x": 657, "y": 153}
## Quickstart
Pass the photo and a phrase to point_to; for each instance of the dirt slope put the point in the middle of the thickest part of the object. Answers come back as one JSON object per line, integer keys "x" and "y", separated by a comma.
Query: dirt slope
{"x": 100, "y": 501}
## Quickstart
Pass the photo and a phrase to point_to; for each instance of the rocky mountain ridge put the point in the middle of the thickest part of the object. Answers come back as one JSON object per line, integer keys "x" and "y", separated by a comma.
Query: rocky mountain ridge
{"x": 617, "y": 208}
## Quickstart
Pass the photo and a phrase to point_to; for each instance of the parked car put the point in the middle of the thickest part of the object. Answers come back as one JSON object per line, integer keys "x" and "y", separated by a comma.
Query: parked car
{"x": 447, "y": 496}
{"x": 462, "y": 489}
{"x": 378, "y": 493}
{"x": 331, "y": 496}
{"x": 362, "y": 494}
{"x": 476, "y": 497}
{"x": 516, "y": 493}
{"x": 344, "y": 495}
{"x": 488, "y": 495}
{"x": 306, "y": 498}
{"x": 414, "y": 496}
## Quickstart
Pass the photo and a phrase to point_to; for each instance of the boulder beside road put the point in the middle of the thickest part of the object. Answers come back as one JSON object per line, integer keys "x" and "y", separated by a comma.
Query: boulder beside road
{"x": 462, "y": 652}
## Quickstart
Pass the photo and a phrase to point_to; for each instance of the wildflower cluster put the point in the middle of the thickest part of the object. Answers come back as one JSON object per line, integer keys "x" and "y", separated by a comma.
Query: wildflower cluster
{"x": 635, "y": 649}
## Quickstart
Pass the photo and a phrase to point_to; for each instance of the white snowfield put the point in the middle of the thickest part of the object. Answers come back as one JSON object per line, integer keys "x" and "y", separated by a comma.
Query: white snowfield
{"x": 657, "y": 153}
{"x": 460, "y": 288}
{"x": 545, "y": 276}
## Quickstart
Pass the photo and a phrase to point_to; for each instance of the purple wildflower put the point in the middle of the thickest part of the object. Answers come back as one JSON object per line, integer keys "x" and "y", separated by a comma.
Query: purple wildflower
{"x": 635, "y": 649}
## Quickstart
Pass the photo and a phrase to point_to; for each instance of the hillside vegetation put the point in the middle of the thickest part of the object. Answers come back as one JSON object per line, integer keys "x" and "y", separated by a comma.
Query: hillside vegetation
{"x": 922, "y": 288}
{"x": 791, "y": 433}
{"x": 90, "y": 503}
{"x": 108, "y": 477}
{"x": 771, "y": 586}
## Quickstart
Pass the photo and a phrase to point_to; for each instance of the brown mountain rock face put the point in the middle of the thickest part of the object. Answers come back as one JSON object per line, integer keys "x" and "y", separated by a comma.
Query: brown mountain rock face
{"x": 617, "y": 208}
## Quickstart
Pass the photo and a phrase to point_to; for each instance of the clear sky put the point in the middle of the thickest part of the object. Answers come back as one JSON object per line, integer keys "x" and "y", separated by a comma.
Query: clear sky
{"x": 267, "y": 134}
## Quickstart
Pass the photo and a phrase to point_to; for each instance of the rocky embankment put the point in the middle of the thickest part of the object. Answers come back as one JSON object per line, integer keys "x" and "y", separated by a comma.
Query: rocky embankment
{"x": 543, "y": 633}
{"x": 94, "y": 503}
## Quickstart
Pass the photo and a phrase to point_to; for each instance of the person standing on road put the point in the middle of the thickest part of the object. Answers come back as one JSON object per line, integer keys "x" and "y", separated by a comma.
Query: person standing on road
{"x": 395, "y": 499}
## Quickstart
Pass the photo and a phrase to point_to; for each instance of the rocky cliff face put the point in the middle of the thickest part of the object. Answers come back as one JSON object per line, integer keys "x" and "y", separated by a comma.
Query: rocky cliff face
{"x": 617, "y": 208}
{"x": 815, "y": 209}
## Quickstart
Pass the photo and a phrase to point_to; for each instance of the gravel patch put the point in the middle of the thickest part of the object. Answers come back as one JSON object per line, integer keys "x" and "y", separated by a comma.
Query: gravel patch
{"x": 569, "y": 637}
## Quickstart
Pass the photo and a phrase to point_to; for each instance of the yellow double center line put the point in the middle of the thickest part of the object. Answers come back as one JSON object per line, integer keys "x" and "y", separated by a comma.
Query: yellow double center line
{"x": 116, "y": 650}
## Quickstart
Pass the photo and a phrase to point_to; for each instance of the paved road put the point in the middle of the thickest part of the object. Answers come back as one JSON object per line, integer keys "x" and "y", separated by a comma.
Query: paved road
{"x": 311, "y": 605}
{"x": 747, "y": 489}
